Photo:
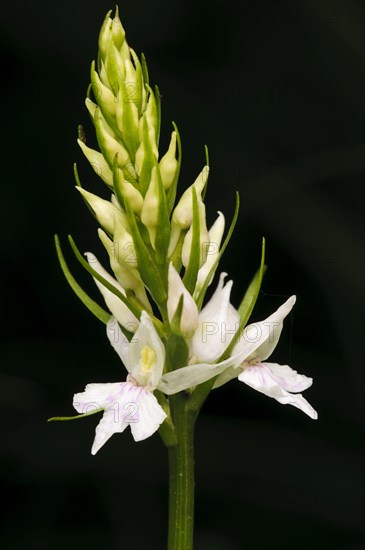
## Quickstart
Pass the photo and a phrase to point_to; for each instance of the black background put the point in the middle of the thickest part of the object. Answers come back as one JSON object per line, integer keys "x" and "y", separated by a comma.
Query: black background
{"x": 275, "y": 88}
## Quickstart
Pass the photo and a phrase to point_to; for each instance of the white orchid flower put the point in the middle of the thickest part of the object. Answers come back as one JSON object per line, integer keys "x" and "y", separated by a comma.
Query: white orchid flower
{"x": 218, "y": 321}
{"x": 257, "y": 343}
{"x": 215, "y": 327}
{"x": 131, "y": 402}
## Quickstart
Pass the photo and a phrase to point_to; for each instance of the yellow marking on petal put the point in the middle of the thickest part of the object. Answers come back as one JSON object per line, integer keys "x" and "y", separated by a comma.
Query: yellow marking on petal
{"x": 147, "y": 359}
{"x": 251, "y": 361}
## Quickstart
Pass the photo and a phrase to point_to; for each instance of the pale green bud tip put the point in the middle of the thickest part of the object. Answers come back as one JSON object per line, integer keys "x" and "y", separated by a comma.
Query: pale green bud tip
{"x": 103, "y": 210}
{"x": 149, "y": 214}
{"x": 118, "y": 31}
{"x": 97, "y": 162}
{"x": 203, "y": 239}
{"x": 169, "y": 164}
{"x": 190, "y": 315}
{"x": 183, "y": 213}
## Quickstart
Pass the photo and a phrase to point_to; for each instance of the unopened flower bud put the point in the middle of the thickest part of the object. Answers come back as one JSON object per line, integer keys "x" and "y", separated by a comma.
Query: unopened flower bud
{"x": 203, "y": 239}
{"x": 108, "y": 144}
{"x": 98, "y": 163}
{"x": 215, "y": 239}
{"x": 190, "y": 315}
{"x": 127, "y": 276}
{"x": 149, "y": 214}
{"x": 168, "y": 163}
{"x": 103, "y": 210}
{"x": 183, "y": 213}
{"x": 130, "y": 193}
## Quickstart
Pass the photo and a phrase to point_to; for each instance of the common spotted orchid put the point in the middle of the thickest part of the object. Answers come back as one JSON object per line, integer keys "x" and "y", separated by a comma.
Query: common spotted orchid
{"x": 163, "y": 259}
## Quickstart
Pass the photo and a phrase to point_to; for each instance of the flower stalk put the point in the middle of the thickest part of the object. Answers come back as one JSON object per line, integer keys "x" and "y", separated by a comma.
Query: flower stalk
{"x": 181, "y": 476}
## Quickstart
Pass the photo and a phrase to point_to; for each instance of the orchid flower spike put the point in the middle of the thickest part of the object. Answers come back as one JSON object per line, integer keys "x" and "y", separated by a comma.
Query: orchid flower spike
{"x": 131, "y": 402}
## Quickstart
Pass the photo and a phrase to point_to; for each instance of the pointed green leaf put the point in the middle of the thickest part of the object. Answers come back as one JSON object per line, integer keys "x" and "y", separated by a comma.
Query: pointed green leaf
{"x": 249, "y": 300}
{"x": 144, "y": 69}
{"x": 171, "y": 192}
{"x": 163, "y": 224}
{"x": 95, "y": 309}
{"x": 132, "y": 307}
{"x": 200, "y": 298}
{"x": 146, "y": 265}
{"x": 158, "y": 112}
{"x": 247, "y": 304}
{"x": 191, "y": 272}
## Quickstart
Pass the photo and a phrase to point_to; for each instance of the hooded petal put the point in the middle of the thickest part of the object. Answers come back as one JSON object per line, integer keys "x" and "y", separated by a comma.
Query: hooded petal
{"x": 120, "y": 311}
{"x": 264, "y": 378}
{"x": 218, "y": 322}
{"x": 146, "y": 354}
{"x": 261, "y": 338}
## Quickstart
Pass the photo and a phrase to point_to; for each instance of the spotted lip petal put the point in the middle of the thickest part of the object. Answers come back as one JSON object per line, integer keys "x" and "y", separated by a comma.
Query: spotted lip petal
{"x": 274, "y": 380}
{"x": 125, "y": 404}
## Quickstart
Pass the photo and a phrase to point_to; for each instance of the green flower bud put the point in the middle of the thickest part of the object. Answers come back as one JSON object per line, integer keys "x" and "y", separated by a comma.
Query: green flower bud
{"x": 102, "y": 93}
{"x": 204, "y": 239}
{"x": 98, "y": 163}
{"x": 130, "y": 193}
{"x": 103, "y": 210}
{"x": 169, "y": 164}
{"x": 128, "y": 277}
{"x": 149, "y": 214}
{"x": 108, "y": 144}
{"x": 215, "y": 239}
{"x": 104, "y": 34}
{"x": 183, "y": 213}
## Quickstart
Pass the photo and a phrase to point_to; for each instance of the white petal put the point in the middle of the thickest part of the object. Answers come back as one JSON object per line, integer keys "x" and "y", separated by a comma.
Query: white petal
{"x": 260, "y": 378}
{"x": 95, "y": 396}
{"x": 189, "y": 317}
{"x": 150, "y": 415}
{"x": 215, "y": 238}
{"x": 261, "y": 338}
{"x": 226, "y": 376}
{"x": 118, "y": 341}
{"x": 105, "y": 429}
{"x": 120, "y": 311}
{"x": 186, "y": 377}
{"x": 146, "y": 336}
{"x": 288, "y": 378}
{"x": 218, "y": 322}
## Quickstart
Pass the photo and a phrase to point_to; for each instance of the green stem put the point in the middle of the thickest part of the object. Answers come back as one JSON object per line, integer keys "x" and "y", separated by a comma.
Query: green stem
{"x": 181, "y": 476}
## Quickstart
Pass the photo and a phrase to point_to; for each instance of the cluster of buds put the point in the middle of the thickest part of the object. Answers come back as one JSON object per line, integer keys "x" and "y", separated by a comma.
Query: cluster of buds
{"x": 163, "y": 258}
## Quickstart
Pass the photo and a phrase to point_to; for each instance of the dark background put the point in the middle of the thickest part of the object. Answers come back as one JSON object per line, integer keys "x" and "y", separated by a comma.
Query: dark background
{"x": 276, "y": 89}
